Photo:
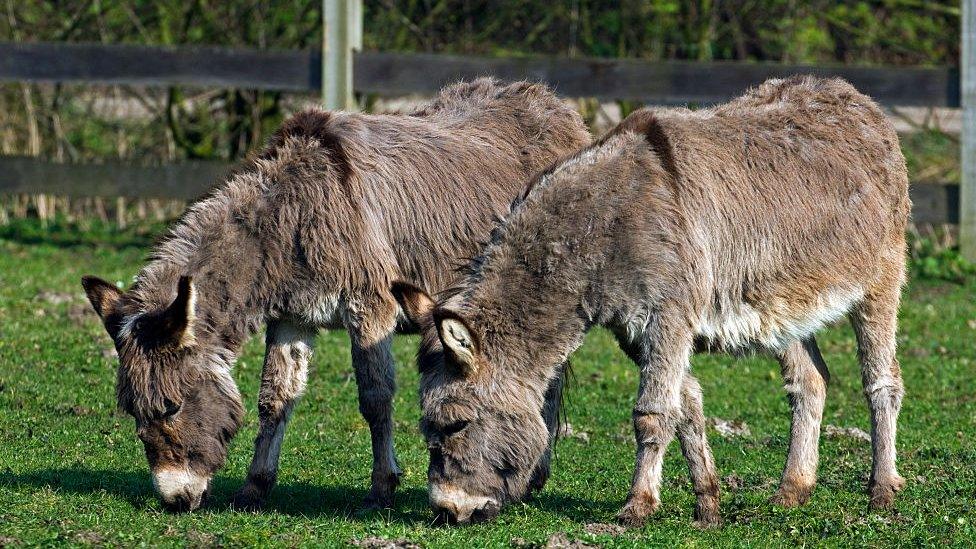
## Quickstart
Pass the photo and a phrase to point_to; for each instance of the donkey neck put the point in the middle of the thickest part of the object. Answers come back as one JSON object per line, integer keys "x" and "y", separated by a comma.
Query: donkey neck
{"x": 225, "y": 265}
{"x": 555, "y": 266}
{"x": 534, "y": 321}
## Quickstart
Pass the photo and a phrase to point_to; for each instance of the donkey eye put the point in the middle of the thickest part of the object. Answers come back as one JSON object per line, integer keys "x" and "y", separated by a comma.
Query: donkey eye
{"x": 171, "y": 409}
{"x": 454, "y": 428}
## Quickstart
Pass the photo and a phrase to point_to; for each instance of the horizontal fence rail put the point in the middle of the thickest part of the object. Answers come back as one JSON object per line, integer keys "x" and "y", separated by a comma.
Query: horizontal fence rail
{"x": 653, "y": 82}
{"x": 932, "y": 203}
{"x": 288, "y": 70}
{"x": 392, "y": 74}
{"x": 406, "y": 73}
{"x": 185, "y": 180}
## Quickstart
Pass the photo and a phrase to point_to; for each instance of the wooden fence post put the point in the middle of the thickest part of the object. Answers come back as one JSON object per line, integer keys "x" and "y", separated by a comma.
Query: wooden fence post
{"x": 342, "y": 33}
{"x": 967, "y": 193}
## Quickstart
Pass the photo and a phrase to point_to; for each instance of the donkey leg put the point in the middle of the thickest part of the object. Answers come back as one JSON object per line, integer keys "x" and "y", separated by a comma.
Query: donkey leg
{"x": 288, "y": 349}
{"x": 875, "y": 324}
{"x": 694, "y": 446}
{"x": 375, "y": 378}
{"x": 550, "y": 414}
{"x": 805, "y": 378}
{"x": 663, "y": 362}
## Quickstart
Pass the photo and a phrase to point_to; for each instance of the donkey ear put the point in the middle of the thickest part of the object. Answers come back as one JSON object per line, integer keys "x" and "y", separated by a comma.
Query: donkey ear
{"x": 102, "y": 295}
{"x": 178, "y": 319}
{"x": 458, "y": 340}
{"x": 416, "y": 303}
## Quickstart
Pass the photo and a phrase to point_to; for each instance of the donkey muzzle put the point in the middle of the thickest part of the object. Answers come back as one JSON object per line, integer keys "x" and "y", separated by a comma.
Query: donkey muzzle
{"x": 180, "y": 489}
{"x": 453, "y": 505}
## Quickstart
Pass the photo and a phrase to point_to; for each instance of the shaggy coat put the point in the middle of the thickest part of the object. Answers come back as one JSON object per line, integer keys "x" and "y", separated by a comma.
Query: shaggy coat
{"x": 311, "y": 234}
{"x": 748, "y": 226}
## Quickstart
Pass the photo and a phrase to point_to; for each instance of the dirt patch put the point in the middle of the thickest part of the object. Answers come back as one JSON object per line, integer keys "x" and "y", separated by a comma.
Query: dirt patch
{"x": 733, "y": 482}
{"x": 56, "y": 298}
{"x": 7, "y": 541}
{"x": 80, "y": 313}
{"x": 559, "y": 540}
{"x": 567, "y": 430}
{"x": 195, "y": 538}
{"x": 729, "y": 428}
{"x": 374, "y": 542}
{"x": 86, "y": 537}
{"x": 833, "y": 431}
{"x": 79, "y": 410}
{"x": 604, "y": 529}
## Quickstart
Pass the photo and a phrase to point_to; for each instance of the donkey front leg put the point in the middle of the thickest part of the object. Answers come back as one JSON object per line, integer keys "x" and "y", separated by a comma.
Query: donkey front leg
{"x": 805, "y": 377}
{"x": 288, "y": 349}
{"x": 375, "y": 377}
{"x": 663, "y": 360}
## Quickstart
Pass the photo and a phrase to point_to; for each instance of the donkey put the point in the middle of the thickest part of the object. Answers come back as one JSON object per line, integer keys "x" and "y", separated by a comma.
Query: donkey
{"x": 311, "y": 234}
{"x": 747, "y": 226}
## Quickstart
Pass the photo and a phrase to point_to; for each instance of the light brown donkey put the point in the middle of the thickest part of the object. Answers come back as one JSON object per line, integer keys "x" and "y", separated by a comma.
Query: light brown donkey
{"x": 746, "y": 226}
{"x": 311, "y": 234}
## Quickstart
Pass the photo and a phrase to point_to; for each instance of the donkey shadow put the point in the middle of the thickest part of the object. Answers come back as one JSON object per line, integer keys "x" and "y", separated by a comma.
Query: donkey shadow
{"x": 296, "y": 499}
{"x": 293, "y": 499}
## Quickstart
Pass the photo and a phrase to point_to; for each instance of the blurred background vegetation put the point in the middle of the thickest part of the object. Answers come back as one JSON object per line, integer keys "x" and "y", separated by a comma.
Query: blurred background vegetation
{"x": 73, "y": 122}
{"x": 81, "y": 123}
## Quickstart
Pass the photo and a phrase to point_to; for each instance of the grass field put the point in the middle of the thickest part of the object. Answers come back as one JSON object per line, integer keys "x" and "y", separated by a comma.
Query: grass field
{"x": 72, "y": 470}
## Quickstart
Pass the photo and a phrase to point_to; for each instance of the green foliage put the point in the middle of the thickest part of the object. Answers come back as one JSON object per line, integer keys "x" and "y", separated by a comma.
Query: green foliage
{"x": 818, "y": 31}
{"x": 226, "y": 124}
{"x": 73, "y": 471}
{"x": 87, "y": 231}
{"x": 932, "y": 156}
{"x": 935, "y": 261}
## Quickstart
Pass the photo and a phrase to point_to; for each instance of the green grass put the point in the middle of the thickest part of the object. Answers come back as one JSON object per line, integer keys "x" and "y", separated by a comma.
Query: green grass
{"x": 72, "y": 470}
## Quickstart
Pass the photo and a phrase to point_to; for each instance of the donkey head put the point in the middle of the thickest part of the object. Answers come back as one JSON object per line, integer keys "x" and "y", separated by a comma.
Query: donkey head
{"x": 483, "y": 425}
{"x": 175, "y": 384}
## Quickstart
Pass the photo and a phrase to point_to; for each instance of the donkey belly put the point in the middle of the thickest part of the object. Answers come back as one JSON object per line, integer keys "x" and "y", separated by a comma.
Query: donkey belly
{"x": 732, "y": 324}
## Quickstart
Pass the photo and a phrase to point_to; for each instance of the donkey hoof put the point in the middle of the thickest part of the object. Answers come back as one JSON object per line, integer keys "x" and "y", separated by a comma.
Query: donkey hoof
{"x": 883, "y": 492}
{"x": 706, "y": 514}
{"x": 248, "y": 498}
{"x": 791, "y": 496}
{"x": 635, "y": 512}
{"x": 377, "y": 500}
{"x": 708, "y": 523}
{"x": 371, "y": 505}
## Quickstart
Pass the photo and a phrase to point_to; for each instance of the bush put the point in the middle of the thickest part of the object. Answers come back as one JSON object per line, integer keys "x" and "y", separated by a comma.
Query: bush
{"x": 935, "y": 259}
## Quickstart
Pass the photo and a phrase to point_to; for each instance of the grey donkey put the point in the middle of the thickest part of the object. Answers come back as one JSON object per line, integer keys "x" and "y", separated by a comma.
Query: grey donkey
{"x": 744, "y": 227}
{"x": 310, "y": 234}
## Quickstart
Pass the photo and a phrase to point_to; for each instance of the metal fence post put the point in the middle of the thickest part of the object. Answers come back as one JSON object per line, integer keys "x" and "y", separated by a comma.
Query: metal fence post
{"x": 342, "y": 32}
{"x": 967, "y": 192}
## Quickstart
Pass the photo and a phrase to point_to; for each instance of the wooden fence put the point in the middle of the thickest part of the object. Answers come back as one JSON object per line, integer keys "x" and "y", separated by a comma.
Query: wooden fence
{"x": 390, "y": 74}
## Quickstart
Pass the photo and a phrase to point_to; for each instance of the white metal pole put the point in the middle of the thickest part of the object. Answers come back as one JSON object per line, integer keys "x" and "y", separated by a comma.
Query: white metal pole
{"x": 341, "y": 34}
{"x": 967, "y": 198}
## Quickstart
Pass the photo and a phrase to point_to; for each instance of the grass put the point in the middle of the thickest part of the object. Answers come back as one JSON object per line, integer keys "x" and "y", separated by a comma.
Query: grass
{"x": 73, "y": 472}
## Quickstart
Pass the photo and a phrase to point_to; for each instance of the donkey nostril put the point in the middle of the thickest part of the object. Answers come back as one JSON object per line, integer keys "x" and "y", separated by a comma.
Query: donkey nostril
{"x": 486, "y": 513}
{"x": 178, "y": 504}
{"x": 443, "y": 515}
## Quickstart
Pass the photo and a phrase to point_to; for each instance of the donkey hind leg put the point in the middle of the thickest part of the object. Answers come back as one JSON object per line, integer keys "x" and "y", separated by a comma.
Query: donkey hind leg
{"x": 550, "y": 414}
{"x": 656, "y": 416}
{"x": 875, "y": 325}
{"x": 698, "y": 454}
{"x": 288, "y": 349}
{"x": 805, "y": 378}
{"x": 375, "y": 378}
